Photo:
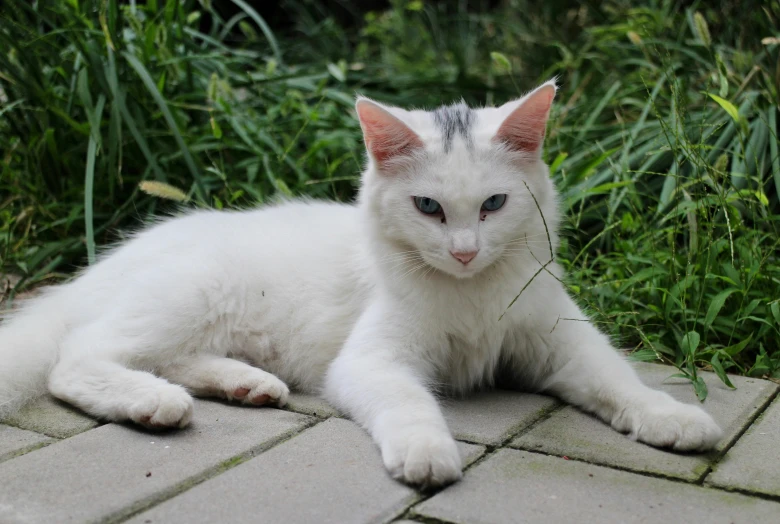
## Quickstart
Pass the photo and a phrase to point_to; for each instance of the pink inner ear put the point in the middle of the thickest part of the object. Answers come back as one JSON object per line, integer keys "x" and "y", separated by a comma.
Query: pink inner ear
{"x": 385, "y": 135}
{"x": 523, "y": 130}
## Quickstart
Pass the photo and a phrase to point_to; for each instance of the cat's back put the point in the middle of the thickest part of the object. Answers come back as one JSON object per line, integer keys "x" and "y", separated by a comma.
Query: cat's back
{"x": 294, "y": 227}
{"x": 292, "y": 242}
{"x": 298, "y": 221}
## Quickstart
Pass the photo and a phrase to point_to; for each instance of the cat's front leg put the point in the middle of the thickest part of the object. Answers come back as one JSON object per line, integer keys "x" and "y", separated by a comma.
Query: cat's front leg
{"x": 378, "y": 380}
{"x": 586, "y": 371}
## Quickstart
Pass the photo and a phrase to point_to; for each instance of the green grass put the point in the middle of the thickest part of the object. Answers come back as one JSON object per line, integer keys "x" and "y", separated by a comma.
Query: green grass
{"x": 663, "y": 143}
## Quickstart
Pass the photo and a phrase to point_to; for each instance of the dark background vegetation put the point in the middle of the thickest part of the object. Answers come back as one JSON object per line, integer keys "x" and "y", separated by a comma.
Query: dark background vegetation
{"x": 663, "y": 141}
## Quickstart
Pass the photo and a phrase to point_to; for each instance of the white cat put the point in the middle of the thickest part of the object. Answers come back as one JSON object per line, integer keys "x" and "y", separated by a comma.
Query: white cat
{"x": 376, "y": 305}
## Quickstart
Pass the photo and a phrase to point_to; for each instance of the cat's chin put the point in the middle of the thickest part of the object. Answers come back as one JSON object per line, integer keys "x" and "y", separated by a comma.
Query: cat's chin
{"x": 461, "y": 273}
{"x": 465, "y": 275}
{"x": 452, "y": 271}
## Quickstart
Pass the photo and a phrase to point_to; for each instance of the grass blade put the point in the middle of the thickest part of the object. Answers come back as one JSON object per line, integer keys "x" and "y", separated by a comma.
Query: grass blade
{"x": 89, "y": 181}
{"x": 136, "y": 64}
{"x": 269, "y": 35}
{"x": 773, "y": 153}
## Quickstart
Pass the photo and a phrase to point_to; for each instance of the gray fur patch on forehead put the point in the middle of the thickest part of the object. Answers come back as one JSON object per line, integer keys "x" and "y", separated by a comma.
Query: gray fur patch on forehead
{"x": 455, "y": 119}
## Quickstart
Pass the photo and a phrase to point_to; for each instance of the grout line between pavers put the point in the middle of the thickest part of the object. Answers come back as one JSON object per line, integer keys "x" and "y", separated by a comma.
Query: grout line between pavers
{"x": 100, "y": 423}
{"x": 429, "y": 520}
{"x": 752, "y": 420}
{"x": 661, "y": 477}
{"x": 402, "y": 514}
{"x": 25, "y": 451}
{"x": 408, "y": 512}
{"x": 312, "y": 414}
{"x": 543, "y": 416}
{"x": 742, "y": 491}
{"x": 651, "y": 474}
{"x": 11, "y": 421}
{"x": 698, "y": 481}
{"x": 148, "y": 503}
{"x": 490, "y": 450}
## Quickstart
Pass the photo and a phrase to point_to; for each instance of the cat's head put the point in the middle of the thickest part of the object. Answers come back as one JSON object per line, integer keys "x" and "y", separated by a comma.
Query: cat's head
{"x": 456, "y": 186}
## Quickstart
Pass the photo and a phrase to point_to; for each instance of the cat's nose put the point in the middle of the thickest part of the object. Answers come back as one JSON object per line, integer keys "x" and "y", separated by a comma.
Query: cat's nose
{"x": 464, "y": 256}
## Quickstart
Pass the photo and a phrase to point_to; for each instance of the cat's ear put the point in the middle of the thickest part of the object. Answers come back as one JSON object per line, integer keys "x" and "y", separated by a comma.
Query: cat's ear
{"x": 385, "y": 135}
{"x": 523, "y": 130}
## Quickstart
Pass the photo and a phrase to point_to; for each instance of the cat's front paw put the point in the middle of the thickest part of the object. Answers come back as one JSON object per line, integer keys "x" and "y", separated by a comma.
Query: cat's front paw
{"x": 424, "y": 457}
{"x": 666, "y": 423}
{"x": 256, "y": 387}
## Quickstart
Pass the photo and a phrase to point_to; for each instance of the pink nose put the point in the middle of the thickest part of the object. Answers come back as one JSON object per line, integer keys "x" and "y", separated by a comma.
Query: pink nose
{"x": 464, "y": 256}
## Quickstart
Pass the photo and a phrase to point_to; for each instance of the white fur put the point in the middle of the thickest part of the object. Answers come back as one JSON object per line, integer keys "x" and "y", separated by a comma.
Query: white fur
{"x": 363, "y": 303}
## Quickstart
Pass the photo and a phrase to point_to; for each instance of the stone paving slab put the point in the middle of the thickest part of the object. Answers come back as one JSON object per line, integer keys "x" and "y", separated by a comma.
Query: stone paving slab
{"x": 487, "y": 417}
{"x": 492, "y": 417}
{"x": 14, "y": 441}
{"x": 752, "y": 464}
{"x": 307, "y": 464}
{"x": 331, "y": 473}
{"x": 109, "y": 470}
{"x": 578, "y": 435}
{"x": 733, "y": 409}
{"x": 516, "y": 486}
{"x": 52, "y": 417}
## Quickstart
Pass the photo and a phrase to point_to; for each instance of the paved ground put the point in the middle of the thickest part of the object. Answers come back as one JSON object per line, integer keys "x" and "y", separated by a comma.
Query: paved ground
{"x": 530, "y": 460}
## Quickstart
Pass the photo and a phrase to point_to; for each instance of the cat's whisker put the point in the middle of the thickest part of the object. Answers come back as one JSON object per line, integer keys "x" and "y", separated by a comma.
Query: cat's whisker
{"x": 403, "y": 254}
{"x": 399, "y": 253}
{"x": 391, "y": 266}
{"x": 397, "y": 263}
{"x": 428, "y": 272}
{"x": 402, "y": 266}
{"x": 402, "y": 263}
{"x": 543, "y": 234}
{"x": 527, "y": 244}
{"x": 421, "y": 275}
{"x": 411, "y": 271}
{"x": 523, "y": 240}
{"x": 400, "y": 256}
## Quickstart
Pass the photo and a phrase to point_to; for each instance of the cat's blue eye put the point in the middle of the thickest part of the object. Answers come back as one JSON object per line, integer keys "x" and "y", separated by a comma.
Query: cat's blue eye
{"x": 427, "y": 205}
{"x": 494, "y": 203}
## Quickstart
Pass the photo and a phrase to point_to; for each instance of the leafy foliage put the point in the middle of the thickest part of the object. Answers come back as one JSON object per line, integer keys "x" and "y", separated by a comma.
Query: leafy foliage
{"x": 664, "y": 143}
{"x": 99, "y": 96}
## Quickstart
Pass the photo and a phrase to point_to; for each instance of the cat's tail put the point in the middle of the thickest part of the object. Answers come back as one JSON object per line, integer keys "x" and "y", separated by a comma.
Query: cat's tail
{"x": 29, "y": 340}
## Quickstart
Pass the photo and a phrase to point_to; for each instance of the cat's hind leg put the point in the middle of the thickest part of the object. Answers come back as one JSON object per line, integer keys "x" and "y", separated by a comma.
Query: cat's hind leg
{"x": 99, "y": 383}
{"x": 110, "y": 391}
{"x": 211, "y": 376}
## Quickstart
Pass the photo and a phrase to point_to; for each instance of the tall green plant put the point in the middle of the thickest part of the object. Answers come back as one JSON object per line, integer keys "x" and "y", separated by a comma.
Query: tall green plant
{"x": 99, "y": 96}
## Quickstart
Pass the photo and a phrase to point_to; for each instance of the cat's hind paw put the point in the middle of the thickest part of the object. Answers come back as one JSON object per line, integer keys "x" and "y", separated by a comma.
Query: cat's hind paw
{"x": 426, "y": 458}
{"x": 671, "y": 424}
{"x": 166, "y": 406}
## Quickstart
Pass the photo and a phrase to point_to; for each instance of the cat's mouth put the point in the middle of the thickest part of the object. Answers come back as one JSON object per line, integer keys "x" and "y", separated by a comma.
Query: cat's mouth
{"x": 451, "y": 267}
{"x": 461, "y": 271}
